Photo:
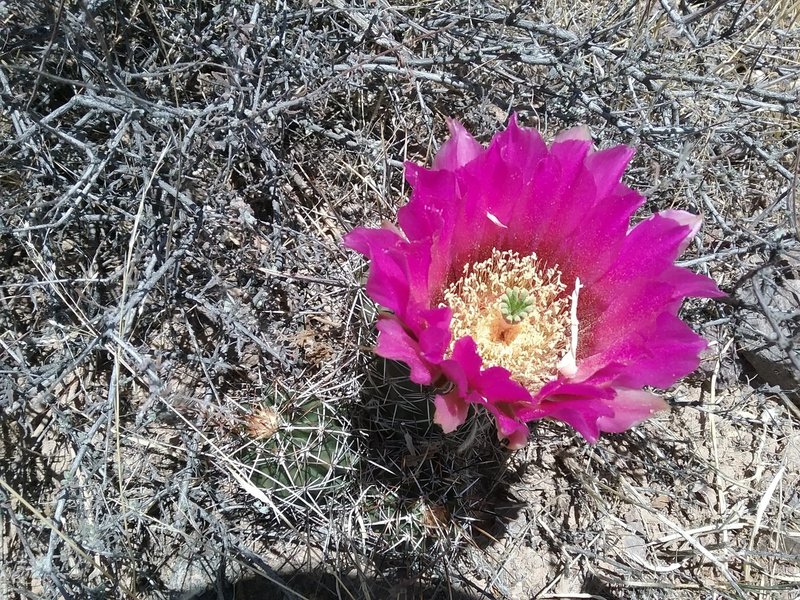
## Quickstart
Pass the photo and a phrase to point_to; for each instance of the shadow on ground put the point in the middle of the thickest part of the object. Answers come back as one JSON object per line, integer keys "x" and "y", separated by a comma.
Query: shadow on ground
{"x": 322, "y": 586}
{"x": 426, "y": 493}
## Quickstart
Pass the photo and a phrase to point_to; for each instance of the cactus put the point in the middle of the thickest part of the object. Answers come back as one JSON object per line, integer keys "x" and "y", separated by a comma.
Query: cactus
{"x": 301, "y": 448}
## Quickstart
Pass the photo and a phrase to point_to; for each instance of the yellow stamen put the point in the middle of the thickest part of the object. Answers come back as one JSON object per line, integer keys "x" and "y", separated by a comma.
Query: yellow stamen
{"x": 531, "y": 347}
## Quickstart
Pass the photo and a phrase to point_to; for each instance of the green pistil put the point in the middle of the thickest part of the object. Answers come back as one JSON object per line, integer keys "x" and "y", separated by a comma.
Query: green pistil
{"x": 515, "y": 304}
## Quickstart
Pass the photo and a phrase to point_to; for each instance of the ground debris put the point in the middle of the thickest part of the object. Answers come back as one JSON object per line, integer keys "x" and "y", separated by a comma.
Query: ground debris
{"x": 185, "y": 345}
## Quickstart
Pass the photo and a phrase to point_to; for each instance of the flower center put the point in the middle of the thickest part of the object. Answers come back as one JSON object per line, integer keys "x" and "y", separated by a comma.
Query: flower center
{"x": 516, "y": 311}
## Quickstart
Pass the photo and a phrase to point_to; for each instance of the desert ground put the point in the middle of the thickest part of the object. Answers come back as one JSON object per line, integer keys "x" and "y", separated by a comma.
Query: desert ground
{"x": 190, "y": 407}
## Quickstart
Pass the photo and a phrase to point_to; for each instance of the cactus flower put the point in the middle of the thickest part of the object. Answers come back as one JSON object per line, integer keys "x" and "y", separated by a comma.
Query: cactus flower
{"x": 514, "y": 281}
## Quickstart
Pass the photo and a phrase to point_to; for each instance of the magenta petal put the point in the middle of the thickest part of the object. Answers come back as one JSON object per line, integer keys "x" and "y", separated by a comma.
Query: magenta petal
{"x": 492, "y": 388}
{"x": 520, "y": 148}
{"x": 630, "y": 407}
{"x": 566, "y": 204}
{"x": 584, "y": 200}
{"x": 474, "y": 232}
{"x": 536, "y": 208}
{"x": 642, "y": 286}
{"x": 669, "y": 351}
{"x": 580, "y": 133}
{"x": 432, "y": 205}
{"x": 371, "y": 241}
{"x": 606, "y": 168}
{"x": 570, "y": 155}
{"x": 633, "y": 309}
{"x": 463, "y": 368}
{"x": 580, "y": 414}
{"x": 649, "y": 249}
{"x": 506, "y": 400}
{"x": 451, "y": 411}
{"x": 387, "y": 282}
{"x": 509, "y": 427}
{"x": 465, "y": 353}
{"x": 577, "y": 404}
{"x": 395, "y": 344}
{"x": 459, "y": 150}
{"x": 517, "y": 438}
{"x": 454, "y": 372}
{"x": 434, "y": 339}
{"x": 497, "y": 386}
{"x": 694, "y": 285}
{"x": 657, "y": 355}
{"x": 493, "y": 190}
{"x": 687, "y": 219}
{"x": 594, "y": 244}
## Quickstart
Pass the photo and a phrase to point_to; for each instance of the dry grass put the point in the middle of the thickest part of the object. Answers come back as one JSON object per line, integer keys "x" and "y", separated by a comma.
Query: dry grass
{"x": 189, "y": 405}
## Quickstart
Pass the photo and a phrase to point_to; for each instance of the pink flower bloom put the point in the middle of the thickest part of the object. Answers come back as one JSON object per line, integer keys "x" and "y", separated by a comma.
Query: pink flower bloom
{"x": 515, "y": 282}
